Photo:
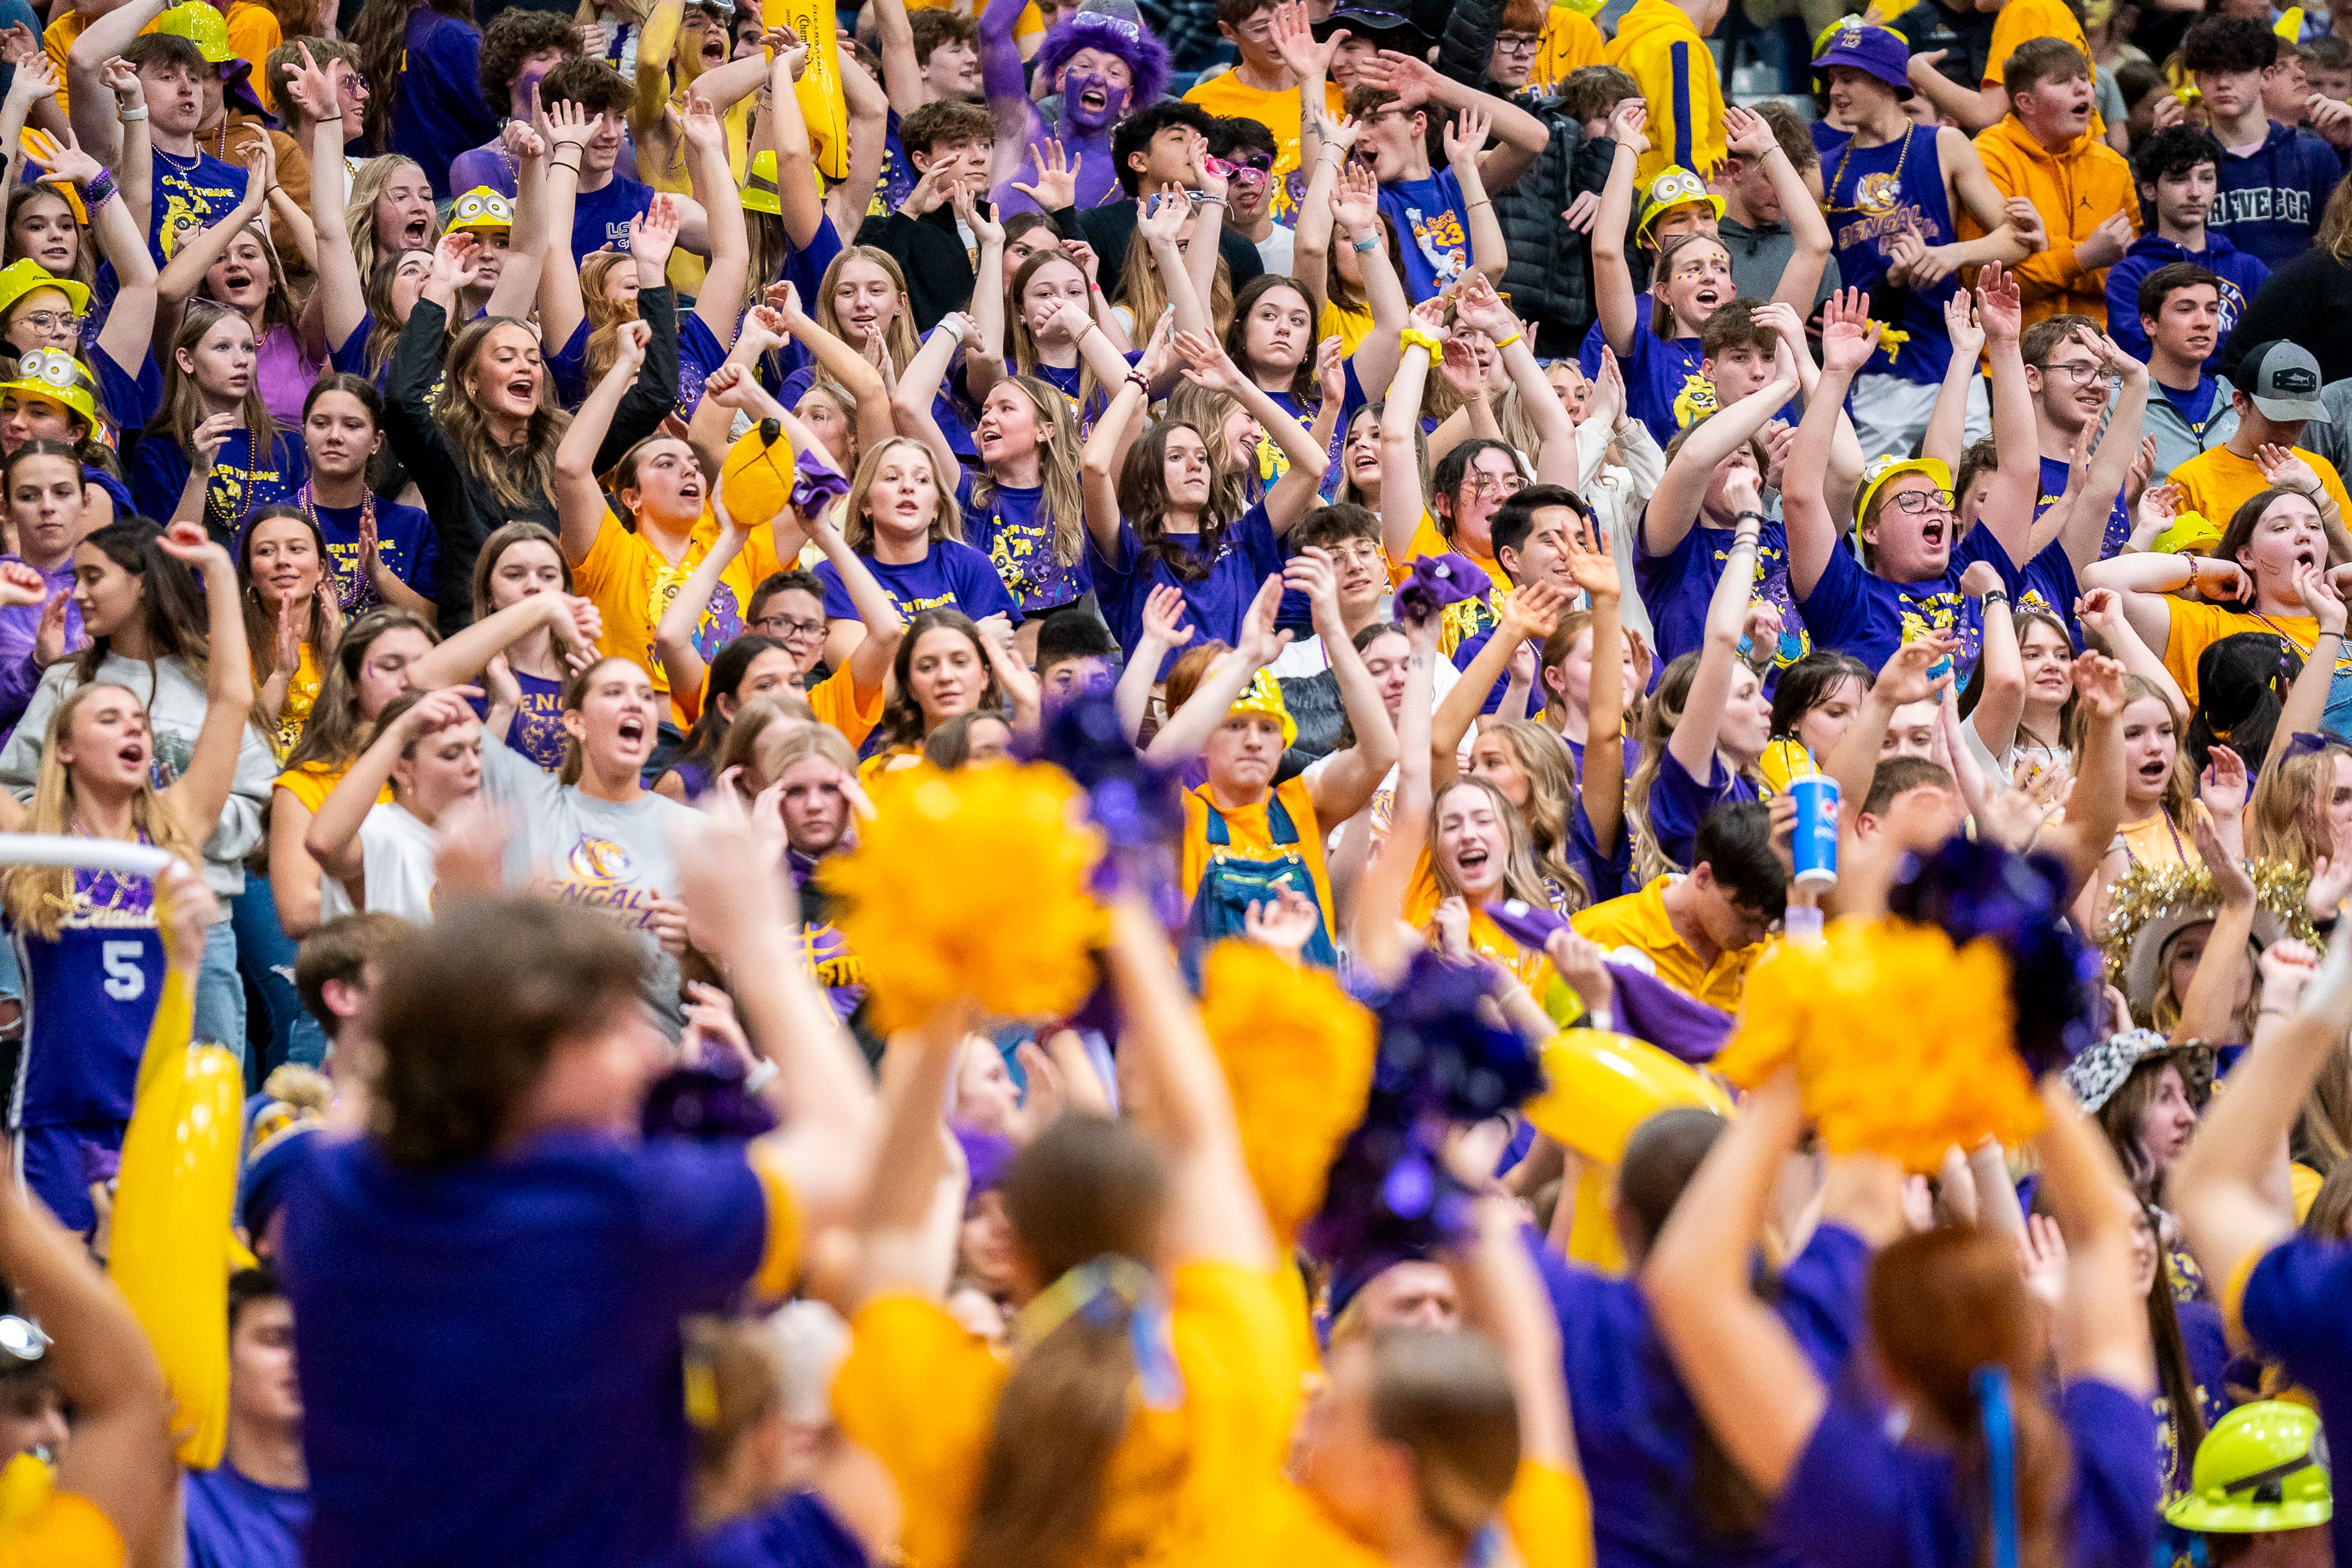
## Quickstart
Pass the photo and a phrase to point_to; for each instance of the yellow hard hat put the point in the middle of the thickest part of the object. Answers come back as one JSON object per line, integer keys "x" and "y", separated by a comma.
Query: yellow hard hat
{"x": 480, "y": 208}
{"x": 760, "y": 186}
{"x": 1672, "y": 188}
{"x": 201, "y": 25}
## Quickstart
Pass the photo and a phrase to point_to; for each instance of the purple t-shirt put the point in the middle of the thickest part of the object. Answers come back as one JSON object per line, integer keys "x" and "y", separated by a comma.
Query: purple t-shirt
{"x": 1214, "y": 604}
{"x": 1858, "y": 1499}
{"x": 1676, "y": 587}
{"x": 798, "y": 1531}
{"x": 531, "y": 1302}
{"x": 1679, "y": 803}
{"x": 2298, "y": 1308}
{"x": 1855, "y": 610}
{"x": 19, "y": 625}
{"x": 948, "y": 577}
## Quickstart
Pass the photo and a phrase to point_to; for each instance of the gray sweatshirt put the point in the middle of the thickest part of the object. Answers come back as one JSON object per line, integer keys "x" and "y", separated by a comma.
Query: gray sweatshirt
{"x": 176, "y": 713}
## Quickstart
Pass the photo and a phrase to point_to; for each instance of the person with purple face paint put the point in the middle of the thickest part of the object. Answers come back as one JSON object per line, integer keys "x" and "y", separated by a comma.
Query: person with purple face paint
{"x": 1102, "y": 60}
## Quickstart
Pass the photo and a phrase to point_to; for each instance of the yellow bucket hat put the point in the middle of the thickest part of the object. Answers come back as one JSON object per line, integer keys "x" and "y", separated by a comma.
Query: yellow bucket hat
{"x": 1877, "y": 473}
{"x": 480, "y": 208}
{"x": 201, "y": 26}
{"x": 19, "y": 278}
{"x": 1264, "y": 697}
{"x": 59, "y": 377}
{"x": 1672, "y": 187}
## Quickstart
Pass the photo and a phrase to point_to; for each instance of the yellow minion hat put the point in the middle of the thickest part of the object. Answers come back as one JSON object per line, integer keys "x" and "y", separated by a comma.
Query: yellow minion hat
{"x": 480, "y": 208}
{"x": 1877, "y": 473}
{"x": 760, "y": 185}
{"x": 54, "y": 374}
{"x": 19, "y": 278}
{"x": 201, "y": 25}
{"x": 2188, "y": 530}
{"x": 2289, "y": 25}
{"x": 1672, "y": 187}
{"x": 1264, "y": 697}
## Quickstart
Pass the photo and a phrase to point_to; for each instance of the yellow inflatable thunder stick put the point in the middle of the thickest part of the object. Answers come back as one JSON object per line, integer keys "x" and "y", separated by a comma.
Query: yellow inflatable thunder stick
{"x": 755, "y": 481}
{"x": 173, "y": 1204}
{"x": 1602, "y": 1086}
{"x": 819, "y": 90}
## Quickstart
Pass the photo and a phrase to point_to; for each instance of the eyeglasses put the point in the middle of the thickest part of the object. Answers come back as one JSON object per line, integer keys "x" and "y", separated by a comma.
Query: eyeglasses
{"x": 2084, "y": 370}
{"x": 1487, "y": 485}
{"x": 52, "y": 321}
{"x": 783, "y": 628}
{"x": 1517, "y": 43}
{"x": 1918, "y": 502}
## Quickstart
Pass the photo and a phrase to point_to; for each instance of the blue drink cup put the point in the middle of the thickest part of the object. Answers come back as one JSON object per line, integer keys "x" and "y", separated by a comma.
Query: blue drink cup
{"x": 1814, "y": 848}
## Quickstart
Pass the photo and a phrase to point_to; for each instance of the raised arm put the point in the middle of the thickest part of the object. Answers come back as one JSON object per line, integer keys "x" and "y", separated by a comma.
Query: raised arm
{"x": 1213, "y": 1214}
{"x": 1947, "y": 437}
{"x": 2101, "y": 1330}
{"x": 1522, "y": 136}
{"x": 580, "y": 503}
{"x": 36, "y": 81}
{"x": 341, "y": 301}
{"x": 785, "y": 128}
{"x": 1345, "y": 784}
{"x": 1294, "y": 493}
{"x": 561, "y": 306}
{"x": 204, "y": 785}
{"x": 869, "y": 134}
{"x": 1752, "y": 1384}
{"x": 1849, "y": 337}
{"x": 1612, "y": 280}
{"x": 1502, "y": 1298}
{"x": 720, "y": 301}
{"x": 333, "y": 837}
{"x": 902, "y": 75}
{"x": 527, "y": 242}
{"x": 1402, "y": 504}
{"x": 1160, "y": 220}
{"x": 1465, "y": 137}
{"x": 2221, "y": 1187}
{"x": 1529, "y": 615}
{"x": 1675, "y": 506}
{"x": 987, "y": 366}
{"x": 1001, "y": 79}
{"x": 1380, "y": 937}
{"x": 681, "y": 661}
{"x": 821, "y": 1092}
{"x": 1098, "y": 467}
{"x": 1477, "y": 305}
{"x": 1693, "y": 741}
{"x": 90, "y": 105}
{"x": 1902, "y": 679}
{"x": 184, "y": 274}
{"x": 1355, "y": 210}
{"x": 577, "y": 624}
{"x": 2306, "y": 701}
{"x": 1184, "y": 735}
{"x": 2000, "y": 702}
{"x": 920, "y": 384}
{"x": 127, "y": 334}
{"x": 2086, "y": 530}
{"x": 1163, "y": 628}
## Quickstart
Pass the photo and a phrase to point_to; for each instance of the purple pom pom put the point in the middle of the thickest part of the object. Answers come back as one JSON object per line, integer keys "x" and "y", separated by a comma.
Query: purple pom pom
{"x": 706, "y": 1104}
{"x": 1437, "y": 581}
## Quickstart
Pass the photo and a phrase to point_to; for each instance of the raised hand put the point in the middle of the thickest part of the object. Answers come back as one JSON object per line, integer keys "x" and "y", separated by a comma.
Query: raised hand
{"x": 2000, "y": 307}
{"x": 49, "y": 637}
{"x": 568, "y": 125}
{"x": 652, "y": 234}
{"x": 1161, "y": 216}
{"x": 1465, "y": 137}
{"x": 1980, "y": 579}
{"x": 1607, "y": 401}
{"x": 1356, "y": 203}
{"x": 1261, "y": 642}
{"x": 635, "y": 338}
{"x": 1532, "y": 612}
{"x": 1452, "y": 918}
{"x": 1413, "y": 79}
{"x": 1309, "y": 572}
{"x": 2223, "y": 786}
{"x": 522, "y": 143}
{"x": 1589, "y": 565}
{"x": 1628, "y": 125}
{"x": 984, "y": 229}
{"x": 935, "y": 187}
{"x": 36, "y": 79}
{"x": 456, "y": 262}
{"x": 2321, "y": 596}
{"x": 2281, "y": 466}
{"x": 1475, "y": 304}
{"x": 1904, "y": 679}
{"x": 1164, "y": 618}
{"x": 188, "y": 543}
{"x": 1208, "y": 364}
{"x": 1331, "y": 368}
{"x": 69, "y": 165}
{"x": 700, "y": 125}
{"x": 205, "y": 441}
{"x": 1960, "y": 324}
{"x": 20, "y": 585}
{"x": 1747, "y": 134}
{"x": 1069, "y": 318}
{"x": 1849, "y": 336}
{"x": 1057, "y": 176}
{"x": 2099, "y": 685}
{"x": 120, "y": 78}
{"x": 1292, "y": 31}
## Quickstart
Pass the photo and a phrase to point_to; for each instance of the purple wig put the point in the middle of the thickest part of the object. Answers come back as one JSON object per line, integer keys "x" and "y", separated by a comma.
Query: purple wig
{"x": 1146, "y": 56}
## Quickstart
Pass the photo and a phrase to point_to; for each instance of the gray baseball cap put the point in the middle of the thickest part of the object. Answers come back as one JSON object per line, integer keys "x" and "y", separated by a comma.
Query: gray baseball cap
{"x": 2283, "y": 379}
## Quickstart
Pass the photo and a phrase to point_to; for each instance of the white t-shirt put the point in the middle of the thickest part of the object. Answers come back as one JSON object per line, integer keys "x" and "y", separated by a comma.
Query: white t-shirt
{"x": 1276, "y": 250}
{"x": 397, "y": 850}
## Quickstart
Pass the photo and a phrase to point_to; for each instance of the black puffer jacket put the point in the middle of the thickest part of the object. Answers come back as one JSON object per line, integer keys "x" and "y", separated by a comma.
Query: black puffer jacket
{"x": 1550, "y": 275}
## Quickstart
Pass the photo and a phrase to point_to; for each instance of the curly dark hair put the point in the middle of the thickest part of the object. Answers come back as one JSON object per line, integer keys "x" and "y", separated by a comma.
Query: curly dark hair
{"x": 472, "y": 1009}
{"x": 512, "y": 38}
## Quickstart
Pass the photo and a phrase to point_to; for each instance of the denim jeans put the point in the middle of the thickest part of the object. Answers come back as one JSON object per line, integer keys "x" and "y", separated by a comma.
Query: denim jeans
{"x": 220, "y": 992}
{"x": 266, "y": 954}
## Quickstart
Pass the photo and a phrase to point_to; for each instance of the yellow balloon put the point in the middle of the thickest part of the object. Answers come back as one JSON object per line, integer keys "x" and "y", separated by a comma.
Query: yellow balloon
{"x": 174, "y": 1201}
{"x": 1601, "y": 1086}
{"x": 819, "y": 90}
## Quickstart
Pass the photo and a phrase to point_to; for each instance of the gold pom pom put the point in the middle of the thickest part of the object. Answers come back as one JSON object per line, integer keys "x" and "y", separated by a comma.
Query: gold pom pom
{"x": 1297, "y": 1053}
{"x": 972, "y": 883}
{"x": 1903, "y": 1045}
{"x": 2146, "y": 894}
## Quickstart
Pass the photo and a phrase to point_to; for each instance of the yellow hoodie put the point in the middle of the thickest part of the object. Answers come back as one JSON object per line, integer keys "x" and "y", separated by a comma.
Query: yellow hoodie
{"x": 2076, "y": 190}
{"x": 1660, "y": 45}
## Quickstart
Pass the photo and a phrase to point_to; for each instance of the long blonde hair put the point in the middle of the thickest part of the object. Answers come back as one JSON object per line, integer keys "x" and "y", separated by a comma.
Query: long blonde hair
{"x": 1550, "y": 770}
{"x": 857, "y": 528}
{"x": 359, "y": 213}
{"x": 899, "y": 337}
{"x": 2287, "y": 818}
{"x": 38, "y": 897}
{"x": 522, "y": 477}
{"x": 1064, "y": 498}
{"x": 1521, "y": 879}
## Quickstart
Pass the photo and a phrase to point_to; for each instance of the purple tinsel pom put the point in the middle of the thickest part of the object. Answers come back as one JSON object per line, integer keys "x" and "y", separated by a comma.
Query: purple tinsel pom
{"x": 706, "y": 1104}
{"x": 1436, "y": 582}
{"x": 1974, "y": 889}
{"x": 1134, "y": 801}
{"x": 1440, "y": 1064}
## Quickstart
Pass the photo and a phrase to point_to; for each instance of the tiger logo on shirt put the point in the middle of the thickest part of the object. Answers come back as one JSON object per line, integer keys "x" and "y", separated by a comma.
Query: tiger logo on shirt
{"x": 598, "y": 860}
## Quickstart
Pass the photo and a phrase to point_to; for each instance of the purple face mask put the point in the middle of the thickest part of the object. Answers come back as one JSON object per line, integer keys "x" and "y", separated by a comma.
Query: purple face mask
{"x": 1074, "y": 88}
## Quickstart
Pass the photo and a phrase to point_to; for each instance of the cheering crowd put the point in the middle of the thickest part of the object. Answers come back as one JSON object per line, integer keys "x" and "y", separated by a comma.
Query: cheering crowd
{"x": 1175, "y": 782}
